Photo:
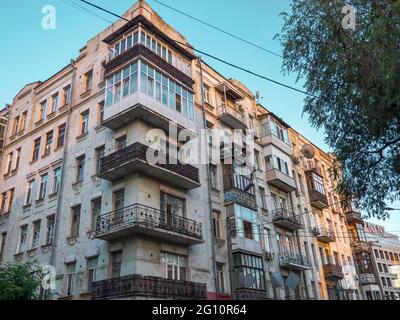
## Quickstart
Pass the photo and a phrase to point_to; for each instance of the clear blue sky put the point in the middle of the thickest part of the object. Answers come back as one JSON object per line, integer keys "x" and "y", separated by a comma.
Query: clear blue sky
{"x": 31, "y": 53}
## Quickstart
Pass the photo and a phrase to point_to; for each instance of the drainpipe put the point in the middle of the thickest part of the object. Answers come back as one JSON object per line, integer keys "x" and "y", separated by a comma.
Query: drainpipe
{"x": 58, "y": 207}
{"x": 208, "y": 179}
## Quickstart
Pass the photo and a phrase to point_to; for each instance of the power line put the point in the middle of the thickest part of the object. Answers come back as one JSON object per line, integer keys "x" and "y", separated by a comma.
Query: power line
{"x": 219, "y": 29}
{"x": 216, "y": 58}
{"x": 79, "y": 7}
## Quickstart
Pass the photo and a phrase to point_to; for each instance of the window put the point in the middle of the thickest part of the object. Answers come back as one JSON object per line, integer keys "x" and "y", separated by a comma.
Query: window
{"x": 267, "y": 242}
{"x": 3, "y": 202}
{"x": 23, "y": 121}
{"x": 50, "y": 229}
{"x": 217, "y": 224}
{"x": 43, "y": 186}
{"x": 84, "y": 122}
{"x": 36, "y": 149}
{"x": 246, "y": 223}
{"x": 80, "y": 168}
{"x": 35, "y": 234}
{"x": 119, "y": 199}
{"x": 22, "y": 238}
{"x": 10, "y": 198}
{"x": 57, "y": 180}
{"x": 116, "y": 261}
{"x": 174, "y": 266}
{"x": 17, "y": 158}
{"x": 317, "y": 183}
{"x": 380, "y": 267}
{"x": 9, "y": 162}
{"x": 3, "y": 244}
{"x": 42, "y": 110}
{"x": 30, "y": 192}
{"x": 75, "y": 220}
{"x": 61, "y": 136}
{"x": 120, "y": 143}
{"x": 213, "y": 177}
{"x": 96, "y": 211}
{"x": 91, "y": 265}
{"x": 48, "y": 142}
{"x": 87, "y": 81}
{"x": 101, "y": 112}
{"x": 274, "y": 162}
{"x": 248, "y": 271}
{"x": 206, "y": 93}
{"x": 70, "y": 269}
{"x": 15, "y": 125}
{"x": 54, "y": 103}
{"x": 126, "y": 80}
{"x": 100, "y": 153}
{"x": 173, "y": 207}
{"x": 66, "y": 95}
{"x": 220, "y": 277}
{"x": 263, "y": 198}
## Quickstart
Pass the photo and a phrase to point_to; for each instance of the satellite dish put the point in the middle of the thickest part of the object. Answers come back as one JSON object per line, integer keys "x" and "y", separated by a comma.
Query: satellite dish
{"x": 308, "y": 151}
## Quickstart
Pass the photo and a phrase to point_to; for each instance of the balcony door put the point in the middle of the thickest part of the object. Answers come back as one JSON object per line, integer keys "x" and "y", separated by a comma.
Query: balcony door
{"x": 119, "y": 203}
{"x": 173, "y": 209}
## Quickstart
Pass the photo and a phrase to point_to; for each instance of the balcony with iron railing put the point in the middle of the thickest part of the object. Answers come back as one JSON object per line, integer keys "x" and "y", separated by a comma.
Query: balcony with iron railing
{"x": 134, "y": 158}
{"x": 333, "y": 271}
{"x": 239, "y": 189}
{"x": 280, "y": 180}
{"x": 353, "y": 217}
{"x": 325, "y": 235}
{"x": 138, "y": 286}
{"x": 287, "y": 219}
{"x": 360, "y": 246}
{"x": 318, "y": 199}
{"x": 231, "y": 116}
{"x": 144, "y": 220}
{"x": 250, "y": 294}
{"x": 293, "y": 261}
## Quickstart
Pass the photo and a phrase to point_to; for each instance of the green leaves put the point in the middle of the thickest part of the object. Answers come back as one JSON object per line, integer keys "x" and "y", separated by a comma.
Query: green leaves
{"x": 19, "y": 282}
{"x": 356, "y": 74}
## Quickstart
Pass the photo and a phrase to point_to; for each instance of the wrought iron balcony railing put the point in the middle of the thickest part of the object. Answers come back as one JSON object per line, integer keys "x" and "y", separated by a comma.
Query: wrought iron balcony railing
{"x": 146, "y": 286}
{"x": 325, "y": 235}
{"x": 294, "y": 261}
{"x": 140, "y": 215}
{"x": 139, "y": 151}
{"x": 333, "y": 271}
{"x": 353, "y": 217}
{"x": 287, "y": 219}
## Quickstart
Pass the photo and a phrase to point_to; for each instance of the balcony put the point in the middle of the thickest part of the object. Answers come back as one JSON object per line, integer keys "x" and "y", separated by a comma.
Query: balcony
{"x": 360, "y": 246}
{"x": 250, "y": 294}
{"x": 292, "y": 261}
{"x": 333, "y": 271}
{"x": 367, "y": 278}
{"x": 231, "y": 117}
{"x": 280, "y": 180}
{"x": 286, "y": 219}
{"x": 353, "y": 217}
{"x": 235, "y": 195}
{"x": 324, "y": 235}
{"x": 134, "y": 158}
{"x": 269, "y": 137}
{"x": 140, "y": 219}
{"x": 318, "y": 199}
{"x": 138, "y": 286}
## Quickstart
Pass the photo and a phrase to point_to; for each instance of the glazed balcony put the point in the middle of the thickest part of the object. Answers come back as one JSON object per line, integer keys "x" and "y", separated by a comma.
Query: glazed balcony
{"x": 286, "y": 219}
{"x": 293, "y": 261}
{"x": 324, "y": 235}
{"x": 367, "y": 279}
{"x": 280, "y": 180}
{"x": 270, "y": 137}
{"x": 144, "y": 220}
{"x": 134, "y": 158}
{"x": 318, "y": 199}
{"x": 360, "y": 246}
{"x": 333, "y": 271}
{"x": 230, "y": 116}
{"x": 353, "y": 217}
{"x": 138, "y": 286}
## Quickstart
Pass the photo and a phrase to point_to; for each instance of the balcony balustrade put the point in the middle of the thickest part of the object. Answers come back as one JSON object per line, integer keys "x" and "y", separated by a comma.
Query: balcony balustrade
{"x": 231, "y": 116}
{"x": 333, "y": 271}
{"x": 134, "y": 158}
{"x": 287, "y": 219}
{"x": 353, "y": 217}
{"x": 280, "y": 180}
{"x": 293, "y": 261}
{"x": 360, "y": 246}
{"x": 318, "y": 199}
{"x": 250, "y": 294}
{"x": 138, "y": 286}
{"x": 140, "y": 219}
{"x": 325, "y": 235}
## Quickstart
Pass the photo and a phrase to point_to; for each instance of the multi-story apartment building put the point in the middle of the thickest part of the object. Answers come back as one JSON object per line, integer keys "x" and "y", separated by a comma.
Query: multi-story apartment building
{"x": 254, "y": 219}
{"x": 385, "y": 259}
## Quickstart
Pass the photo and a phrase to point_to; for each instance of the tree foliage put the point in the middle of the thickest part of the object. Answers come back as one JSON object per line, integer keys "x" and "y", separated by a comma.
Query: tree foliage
{"x": 354, "y": 80}
{"x": 19, "y": 282}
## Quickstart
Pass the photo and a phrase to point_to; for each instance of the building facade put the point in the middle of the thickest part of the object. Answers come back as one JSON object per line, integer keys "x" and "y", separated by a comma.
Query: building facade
{"x": 253, "y": 219}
